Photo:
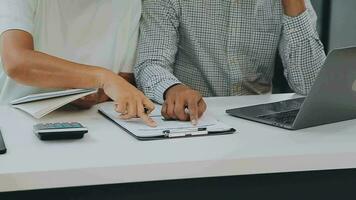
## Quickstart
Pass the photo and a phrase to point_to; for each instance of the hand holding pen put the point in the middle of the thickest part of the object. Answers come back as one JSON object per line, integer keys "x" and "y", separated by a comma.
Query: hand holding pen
{"x": 183, "y": 103}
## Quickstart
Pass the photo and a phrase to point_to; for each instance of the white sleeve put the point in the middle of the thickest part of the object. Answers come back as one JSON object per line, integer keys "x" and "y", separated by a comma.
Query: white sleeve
{"x": 129, "y": 59}
{"x": 17, "y": 14}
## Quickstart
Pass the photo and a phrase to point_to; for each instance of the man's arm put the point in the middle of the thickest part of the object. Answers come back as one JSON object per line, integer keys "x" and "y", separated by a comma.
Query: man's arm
{"x": 157, "y": 48}
{"x": 301, "y": 50}
{"x": 158, "y": 45}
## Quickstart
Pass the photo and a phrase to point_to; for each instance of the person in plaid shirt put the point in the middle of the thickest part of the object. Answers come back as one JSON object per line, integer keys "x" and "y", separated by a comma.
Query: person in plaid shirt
{"x": 193, "y": 48}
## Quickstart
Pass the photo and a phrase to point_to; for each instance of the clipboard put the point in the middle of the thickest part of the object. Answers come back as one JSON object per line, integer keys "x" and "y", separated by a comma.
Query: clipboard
{"x": 207, "y": 126}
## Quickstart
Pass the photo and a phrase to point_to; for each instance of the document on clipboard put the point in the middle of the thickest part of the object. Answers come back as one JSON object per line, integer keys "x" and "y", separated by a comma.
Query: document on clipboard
{"x": 207, "y": 125}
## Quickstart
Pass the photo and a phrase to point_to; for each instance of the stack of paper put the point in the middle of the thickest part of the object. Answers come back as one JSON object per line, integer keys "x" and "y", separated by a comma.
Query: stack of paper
{"x": 39, "y": 105}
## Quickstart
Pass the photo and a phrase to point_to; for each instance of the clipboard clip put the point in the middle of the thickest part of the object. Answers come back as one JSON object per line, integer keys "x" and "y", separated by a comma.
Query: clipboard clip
{"x": 185, "y": 132}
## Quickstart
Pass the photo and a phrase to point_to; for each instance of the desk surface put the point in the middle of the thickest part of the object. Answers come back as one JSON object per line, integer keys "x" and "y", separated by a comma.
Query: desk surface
{"x": 109, "y": 155}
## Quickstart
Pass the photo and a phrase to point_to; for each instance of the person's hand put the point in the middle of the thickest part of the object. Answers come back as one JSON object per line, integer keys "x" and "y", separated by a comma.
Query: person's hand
{"x": 100, "y": 97}
{"x": 294, "y": 8}
{"x": 91, "y": 100}
{"x": 130, "y": 102}
{"x": 183, "y": 103}
{"x": 129, "y": 77}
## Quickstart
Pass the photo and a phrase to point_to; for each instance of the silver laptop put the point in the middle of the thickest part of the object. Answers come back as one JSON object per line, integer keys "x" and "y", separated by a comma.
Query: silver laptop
{"x": 331, "y": 99}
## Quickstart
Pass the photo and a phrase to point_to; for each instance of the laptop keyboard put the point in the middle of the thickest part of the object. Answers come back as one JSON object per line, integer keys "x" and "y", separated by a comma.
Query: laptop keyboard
{"x": 281, "y": 114}
{"x": 282, "y": 118}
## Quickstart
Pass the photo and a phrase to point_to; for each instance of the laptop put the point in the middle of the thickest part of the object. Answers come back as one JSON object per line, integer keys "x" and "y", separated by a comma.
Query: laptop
{"x": 331, "y": 99}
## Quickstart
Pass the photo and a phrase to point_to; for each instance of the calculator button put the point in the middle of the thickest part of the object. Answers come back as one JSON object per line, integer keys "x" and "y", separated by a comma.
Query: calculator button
{"x": 51, "y": 126}
{"x": 76, "y": 125}
{"x": 67, "y": 125}
{"x": 43, "y": 126}
{"x": 58, "y": 125}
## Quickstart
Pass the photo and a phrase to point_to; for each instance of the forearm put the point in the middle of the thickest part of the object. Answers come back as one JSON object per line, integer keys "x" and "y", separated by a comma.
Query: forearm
{"x": 41, "y": 70}
{"x": 302, "y": 65}
{"x": 154, "y": 80}
{"x": 30, "y": 67}
{"x": 301, "y": 50}
{"x": 157, "y": 49}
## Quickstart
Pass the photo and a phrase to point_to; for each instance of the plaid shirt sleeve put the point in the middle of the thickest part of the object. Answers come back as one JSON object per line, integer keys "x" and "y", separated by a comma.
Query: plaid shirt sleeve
{"x": 301, "y": 50}
{"x": 157, "y": 48}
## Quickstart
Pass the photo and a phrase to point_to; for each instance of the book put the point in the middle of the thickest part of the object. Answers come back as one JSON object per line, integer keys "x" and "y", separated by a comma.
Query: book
{"x": 207, "y": 125}
{"x": 39, "y": 105}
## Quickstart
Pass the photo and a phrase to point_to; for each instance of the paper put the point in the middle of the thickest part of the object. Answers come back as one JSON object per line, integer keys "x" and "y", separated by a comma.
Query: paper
{"x": 137, "y": 127}
{"x": 39, "y": 109}
{"x": 49, "y": 95}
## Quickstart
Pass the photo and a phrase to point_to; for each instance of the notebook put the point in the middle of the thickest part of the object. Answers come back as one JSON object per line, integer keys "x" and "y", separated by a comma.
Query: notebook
{"x": 39, "y": 105}
{"x": 207, "y": 125}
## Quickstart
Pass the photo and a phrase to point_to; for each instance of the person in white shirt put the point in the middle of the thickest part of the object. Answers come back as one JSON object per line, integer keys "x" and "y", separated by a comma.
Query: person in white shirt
{"x": 60, "y": 44}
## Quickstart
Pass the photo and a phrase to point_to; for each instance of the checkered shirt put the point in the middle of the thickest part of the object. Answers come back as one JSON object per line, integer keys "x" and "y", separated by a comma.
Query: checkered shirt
{"x": 225, "y": 47}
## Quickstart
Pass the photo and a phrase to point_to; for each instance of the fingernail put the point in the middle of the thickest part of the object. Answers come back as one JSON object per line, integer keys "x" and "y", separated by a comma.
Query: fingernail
{"x": 194, "y": 122}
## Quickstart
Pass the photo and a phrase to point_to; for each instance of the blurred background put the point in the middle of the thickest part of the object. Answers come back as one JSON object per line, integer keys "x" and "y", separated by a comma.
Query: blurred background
{"x": 337, "y": 22}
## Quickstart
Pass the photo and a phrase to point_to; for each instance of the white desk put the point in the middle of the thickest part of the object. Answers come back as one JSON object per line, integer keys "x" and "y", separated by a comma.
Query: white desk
{"x": 109, "y": 155}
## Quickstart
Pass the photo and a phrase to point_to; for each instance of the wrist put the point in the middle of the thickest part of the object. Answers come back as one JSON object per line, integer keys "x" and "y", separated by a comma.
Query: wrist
{"x": 172, "y": 89}
{"x": 102, "y": 76}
